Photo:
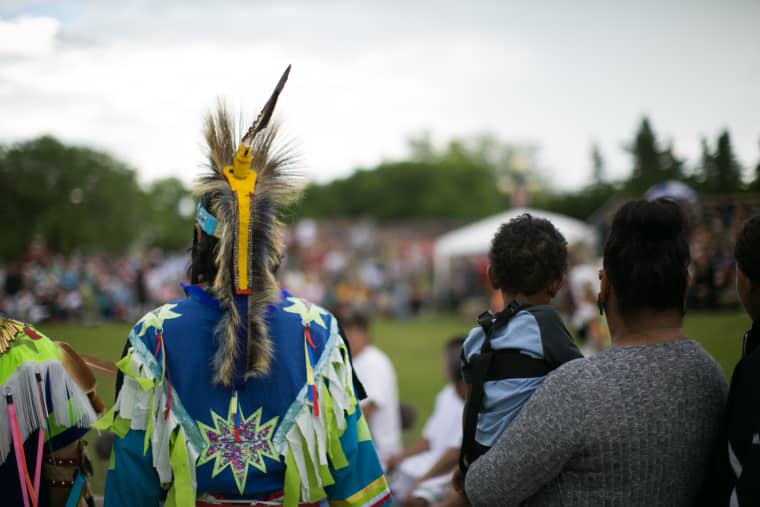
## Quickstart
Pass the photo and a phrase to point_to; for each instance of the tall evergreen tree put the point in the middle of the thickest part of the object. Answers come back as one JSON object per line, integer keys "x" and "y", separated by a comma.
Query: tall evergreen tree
{"x": 672, "y": 165}
{"x": 719, "y": 171}
{"x": 646, "y": 158}
{"x": 651, "y": 163}
{"x": 728, "y": 173}
{"x": 706, "y": 169}
{"x": 754, "y": 186}
{"x": 597, "y": 165}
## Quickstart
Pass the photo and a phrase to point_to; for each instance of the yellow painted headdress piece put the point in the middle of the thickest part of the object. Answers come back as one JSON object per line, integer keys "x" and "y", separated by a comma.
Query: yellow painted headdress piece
{"x": 250, "y": 182}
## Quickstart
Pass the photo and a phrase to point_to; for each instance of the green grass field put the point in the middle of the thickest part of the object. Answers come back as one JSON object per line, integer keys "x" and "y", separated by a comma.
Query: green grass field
{"x": 414, "y": 346}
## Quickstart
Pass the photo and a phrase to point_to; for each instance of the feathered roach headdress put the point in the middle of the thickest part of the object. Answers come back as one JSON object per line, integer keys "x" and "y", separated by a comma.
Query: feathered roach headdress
{"x": 241, "y": 199}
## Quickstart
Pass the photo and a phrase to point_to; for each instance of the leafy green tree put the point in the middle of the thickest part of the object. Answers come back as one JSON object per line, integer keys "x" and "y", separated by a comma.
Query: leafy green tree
{"x": 421, "y": 147}
{"x": 463, "y": 181}
{"x": 171, "y": 215}
{"x": 454, "y": 189}
{"x": 580, "y": 204}
{"x": 73, "y": 197}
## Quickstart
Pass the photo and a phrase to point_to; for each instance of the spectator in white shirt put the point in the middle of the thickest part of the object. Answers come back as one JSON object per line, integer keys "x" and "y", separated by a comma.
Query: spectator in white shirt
{"x": 421, "y": 474}
{"x": 376, "y": 373}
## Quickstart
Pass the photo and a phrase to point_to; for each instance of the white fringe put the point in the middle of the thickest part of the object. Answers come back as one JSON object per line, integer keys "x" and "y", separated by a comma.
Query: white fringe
{"x": 313, "y": 429}
{"x": 134, "y": 404}
{"x": 22, "y": 386}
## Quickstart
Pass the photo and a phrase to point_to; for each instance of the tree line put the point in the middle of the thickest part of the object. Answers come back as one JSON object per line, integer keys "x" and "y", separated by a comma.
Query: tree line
{"x": 78, "y": 198}
{"x": 468, "y": 180}
{"x": 716, "y": 172}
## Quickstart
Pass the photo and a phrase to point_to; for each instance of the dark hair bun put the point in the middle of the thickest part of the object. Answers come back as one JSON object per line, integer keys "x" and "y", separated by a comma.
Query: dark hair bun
{"x": 657, "y": 220}
{"x": 646, "y": 256}
{"x": 746, "y": 252}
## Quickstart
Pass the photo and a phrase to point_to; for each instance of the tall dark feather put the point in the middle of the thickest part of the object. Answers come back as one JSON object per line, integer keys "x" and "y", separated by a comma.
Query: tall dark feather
{"x": 262, "y": 121}
{"x": 277, "y": 186}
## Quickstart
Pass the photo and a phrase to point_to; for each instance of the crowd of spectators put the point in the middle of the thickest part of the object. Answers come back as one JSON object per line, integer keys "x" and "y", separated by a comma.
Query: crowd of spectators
{"x": 712, "y": 243}
{"x": 385, "y": 270}
{"x": 713, "y": 232}
{"x": 47, "y": 286}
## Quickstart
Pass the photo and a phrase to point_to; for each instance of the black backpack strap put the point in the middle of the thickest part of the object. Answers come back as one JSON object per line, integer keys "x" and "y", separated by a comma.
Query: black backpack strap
{"x": 513, "y": 363}
{"x": 479, "y": 371}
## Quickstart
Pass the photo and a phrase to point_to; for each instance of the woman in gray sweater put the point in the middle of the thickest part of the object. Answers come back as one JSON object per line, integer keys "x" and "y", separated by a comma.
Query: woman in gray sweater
{"x": 631, "y": 426}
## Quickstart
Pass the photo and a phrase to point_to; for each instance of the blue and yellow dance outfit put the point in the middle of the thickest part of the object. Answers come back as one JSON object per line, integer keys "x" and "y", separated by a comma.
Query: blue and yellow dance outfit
{"x": 295, "y": 435}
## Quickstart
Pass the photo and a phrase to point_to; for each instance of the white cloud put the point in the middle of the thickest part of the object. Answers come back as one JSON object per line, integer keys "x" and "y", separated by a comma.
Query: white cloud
{"x": 136, "y": 78}
{"x": 27, "y": 36}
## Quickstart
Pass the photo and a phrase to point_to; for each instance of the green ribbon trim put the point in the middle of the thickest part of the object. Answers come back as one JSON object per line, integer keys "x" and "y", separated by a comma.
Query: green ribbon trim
{"x": 125, "y": 365}
{"x": 182, "y": 491}
{"x": 25, "y": 350}
{"x": 106, "y": 421}
{"x": 371, "y": 492}
{"x": 349, "y": 383}
{"x": 191, "y": 430}
{"x": 324, "y": 361}
{"x": 292, "y": 484}
{"x": 114, "y": 422}
{"x": 334, "y": 447}
{"x": 362, "y": 430}
{"x": 326, "y": 476}
{"x": 120, "y": 426}
{"x": 149, "y": 426}
{"x": 316, "y": 492}
{"x": 56, "y": 429}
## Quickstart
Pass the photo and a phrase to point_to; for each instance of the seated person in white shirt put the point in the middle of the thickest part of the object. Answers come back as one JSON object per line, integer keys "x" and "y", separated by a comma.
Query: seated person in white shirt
{"x": 421, "y": 473}
{"x": 376, "y": 373}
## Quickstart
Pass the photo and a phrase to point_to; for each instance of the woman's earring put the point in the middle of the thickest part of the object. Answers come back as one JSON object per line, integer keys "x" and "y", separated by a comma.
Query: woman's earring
{"x": 600, "y": 304}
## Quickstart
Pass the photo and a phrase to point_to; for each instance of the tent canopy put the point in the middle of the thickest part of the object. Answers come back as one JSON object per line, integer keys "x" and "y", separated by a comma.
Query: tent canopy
{"x": 475, "y": 238}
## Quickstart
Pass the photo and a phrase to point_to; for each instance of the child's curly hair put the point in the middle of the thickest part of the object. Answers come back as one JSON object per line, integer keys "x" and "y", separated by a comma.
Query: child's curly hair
{"x": 527, "y": 254}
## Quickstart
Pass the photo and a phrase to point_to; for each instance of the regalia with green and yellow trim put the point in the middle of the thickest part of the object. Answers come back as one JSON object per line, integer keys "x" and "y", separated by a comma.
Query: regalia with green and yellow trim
{"x": 241, "y": 393}
{"x": 44, "y": 413}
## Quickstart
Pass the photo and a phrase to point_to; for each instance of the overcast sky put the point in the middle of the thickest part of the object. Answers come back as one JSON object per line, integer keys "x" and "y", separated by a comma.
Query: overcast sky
{"x": 135, "y": 78}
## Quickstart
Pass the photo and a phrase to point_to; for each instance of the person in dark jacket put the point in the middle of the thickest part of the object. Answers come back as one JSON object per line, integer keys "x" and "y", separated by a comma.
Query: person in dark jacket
{"x": 743, "y": 412}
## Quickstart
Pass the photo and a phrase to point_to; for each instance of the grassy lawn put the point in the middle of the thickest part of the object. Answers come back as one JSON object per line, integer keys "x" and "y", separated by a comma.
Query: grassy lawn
{"x": 414, "y": 346}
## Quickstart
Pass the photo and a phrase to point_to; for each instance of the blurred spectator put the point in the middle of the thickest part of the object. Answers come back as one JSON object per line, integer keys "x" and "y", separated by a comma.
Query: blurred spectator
{"x": 739, "y": 449}
{"x": 612, "y": 416}
{"x": 420, "y": 475}
{"x": 376, "y": 372}
{"x": 47, "y": 286}
{"x": 12, "y": 279}
{"x": 588, "y": 323}
{"x": 385, "y": 270}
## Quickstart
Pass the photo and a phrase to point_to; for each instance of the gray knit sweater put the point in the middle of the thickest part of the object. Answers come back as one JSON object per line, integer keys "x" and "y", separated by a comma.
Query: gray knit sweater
{"x": 631, "y": 426}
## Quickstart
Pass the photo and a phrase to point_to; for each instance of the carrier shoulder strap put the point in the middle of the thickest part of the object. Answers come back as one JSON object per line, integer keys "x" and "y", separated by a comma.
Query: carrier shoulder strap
{"x": 491, "y": 365}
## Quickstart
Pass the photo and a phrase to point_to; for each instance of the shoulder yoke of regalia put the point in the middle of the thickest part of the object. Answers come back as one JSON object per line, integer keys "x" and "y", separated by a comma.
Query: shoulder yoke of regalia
{"x": 32, "y": 371}
{"x": 242, "y": 196}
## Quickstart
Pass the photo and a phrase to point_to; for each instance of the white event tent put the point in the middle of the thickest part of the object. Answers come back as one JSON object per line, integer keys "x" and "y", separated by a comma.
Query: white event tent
{"x": 475, "y": 239}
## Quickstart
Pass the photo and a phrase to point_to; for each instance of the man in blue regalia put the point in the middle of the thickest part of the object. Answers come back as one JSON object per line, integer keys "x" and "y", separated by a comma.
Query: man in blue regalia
{"x": 241, "y": 393}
